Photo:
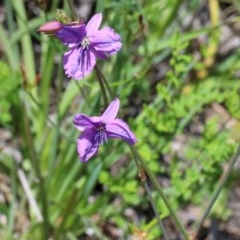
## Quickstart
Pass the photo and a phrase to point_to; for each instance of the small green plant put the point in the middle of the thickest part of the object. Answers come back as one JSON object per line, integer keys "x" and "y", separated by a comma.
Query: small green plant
{"x": 8, "y": 93}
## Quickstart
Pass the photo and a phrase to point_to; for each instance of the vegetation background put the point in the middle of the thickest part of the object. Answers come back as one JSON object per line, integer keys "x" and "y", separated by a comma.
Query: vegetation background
{"x": 177, "y": 76}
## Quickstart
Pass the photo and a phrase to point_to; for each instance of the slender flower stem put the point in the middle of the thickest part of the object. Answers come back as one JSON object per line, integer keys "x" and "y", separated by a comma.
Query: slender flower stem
{"x": 160, "y": 222}
{"x": 145, "y": 184}
{"x": 148, "y": 171}
{"x": 160, "y": 191}
{"x": 106, "y": 83}
{"x": 101, "y": 84}
{"x": 218, "y": 189}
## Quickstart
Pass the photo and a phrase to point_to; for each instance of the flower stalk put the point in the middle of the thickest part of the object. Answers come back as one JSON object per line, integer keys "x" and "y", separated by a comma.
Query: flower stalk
{"x": 143, "y": 178}
{"x": 102, "y": 87}
{"x": 151, "y": 200}
{"x": 160, "y": 192}
{"x": 154, "y": 182}
{"x": 105, "y": 81}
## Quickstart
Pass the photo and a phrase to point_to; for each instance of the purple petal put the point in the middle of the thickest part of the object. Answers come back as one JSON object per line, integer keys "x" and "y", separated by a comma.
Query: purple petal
{"x": 82, "y": 122}
{"x": 106, "y": 40}
{"x": 93, "y": 24}
{"x": 97, "y": 121}
{"x": 111, "y": 112}
{"x": 78, "y": 62}
{"x": 100, "y": 54}
{"x": 86, "y": 145}
{"x": 119, "y": 129}
{"x": 71, "y": 34}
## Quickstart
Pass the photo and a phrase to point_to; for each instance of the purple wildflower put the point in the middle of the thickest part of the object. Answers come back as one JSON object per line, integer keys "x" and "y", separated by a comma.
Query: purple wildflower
{"x": 87, "y": 43}
{"x": 96, "y": 130}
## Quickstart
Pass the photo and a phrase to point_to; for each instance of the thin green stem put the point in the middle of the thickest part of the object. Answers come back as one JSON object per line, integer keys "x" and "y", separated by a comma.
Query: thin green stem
{"x": 161, "y": 193}
{"x": 160, "y": 222}
{"x": 218, "y": 189}
{"x": 148, "y": 191}
{"x": 101, "y": 84}
{"x": 106, "y": 83}
{"x": 148, "y": 171}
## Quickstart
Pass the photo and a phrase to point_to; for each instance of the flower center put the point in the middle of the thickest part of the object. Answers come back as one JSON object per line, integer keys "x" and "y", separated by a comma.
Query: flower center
{"x": 85, "y": 42}
{"x": 101, "y": 136}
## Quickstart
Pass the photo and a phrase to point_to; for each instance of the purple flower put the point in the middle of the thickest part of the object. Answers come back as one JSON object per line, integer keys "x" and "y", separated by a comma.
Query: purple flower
{"x": 87, "y": 43}
{"x": 96, "y": 130}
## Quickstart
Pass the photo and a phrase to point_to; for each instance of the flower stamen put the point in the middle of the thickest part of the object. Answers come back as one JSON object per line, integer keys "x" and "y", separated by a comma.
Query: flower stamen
{"x": 101, "y": 136}
{"x": 85, "y": 43}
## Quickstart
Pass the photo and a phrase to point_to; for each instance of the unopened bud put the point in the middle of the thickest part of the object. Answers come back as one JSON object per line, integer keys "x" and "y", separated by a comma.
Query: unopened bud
{"x": 50, "y": 27}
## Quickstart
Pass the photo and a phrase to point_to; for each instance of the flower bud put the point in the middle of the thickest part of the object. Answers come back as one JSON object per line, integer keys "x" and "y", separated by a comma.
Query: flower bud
{"x": 50, "y": 27}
